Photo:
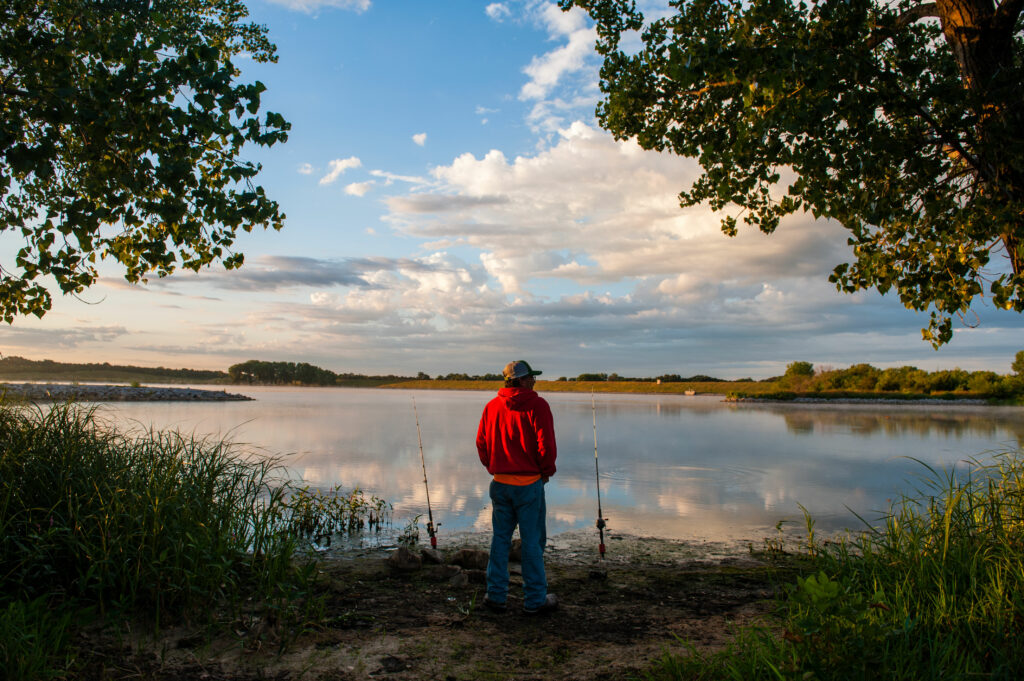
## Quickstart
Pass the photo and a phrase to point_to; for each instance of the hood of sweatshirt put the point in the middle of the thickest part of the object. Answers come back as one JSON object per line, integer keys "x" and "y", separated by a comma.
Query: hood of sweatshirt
{"x": 517, "y": 399}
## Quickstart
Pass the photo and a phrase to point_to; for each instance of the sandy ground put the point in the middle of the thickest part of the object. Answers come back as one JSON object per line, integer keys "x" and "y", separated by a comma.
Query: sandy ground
{"x": 616, "y": 615}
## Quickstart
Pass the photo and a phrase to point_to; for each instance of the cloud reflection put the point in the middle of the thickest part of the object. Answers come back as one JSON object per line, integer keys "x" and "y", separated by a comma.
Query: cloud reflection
{"x": 671, "y": 466}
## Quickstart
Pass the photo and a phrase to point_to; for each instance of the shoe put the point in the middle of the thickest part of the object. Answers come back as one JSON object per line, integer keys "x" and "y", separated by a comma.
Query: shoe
{"x": 550, "y": 604}
{"x": 494, "y": 606}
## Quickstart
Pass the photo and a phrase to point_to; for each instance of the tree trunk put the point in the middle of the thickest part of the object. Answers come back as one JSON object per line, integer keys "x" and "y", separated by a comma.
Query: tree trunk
{"x": 983, "y": 46}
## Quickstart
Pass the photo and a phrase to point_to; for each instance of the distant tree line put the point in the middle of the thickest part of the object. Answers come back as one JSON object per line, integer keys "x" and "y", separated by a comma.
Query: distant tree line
{"x": 802, "y": 377}
{"x": 20, "y": 368}
{"x": 469, "y": 377}
{"x": 280, "y": 373}
{"x": 259, "y": 372}
{"x": 664, "y": 378}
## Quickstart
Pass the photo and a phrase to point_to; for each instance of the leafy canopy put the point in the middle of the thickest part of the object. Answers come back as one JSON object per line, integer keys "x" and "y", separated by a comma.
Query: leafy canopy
{"x": 907, "y": 131}
{"x": 121, "y": 126}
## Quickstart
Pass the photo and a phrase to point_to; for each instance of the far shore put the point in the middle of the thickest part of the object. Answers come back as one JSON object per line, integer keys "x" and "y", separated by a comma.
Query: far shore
{"x": 739, "y": 392}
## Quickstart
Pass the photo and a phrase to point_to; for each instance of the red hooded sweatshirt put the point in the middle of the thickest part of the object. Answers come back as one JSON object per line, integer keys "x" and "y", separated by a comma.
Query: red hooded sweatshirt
{"x": 517, "y": 434}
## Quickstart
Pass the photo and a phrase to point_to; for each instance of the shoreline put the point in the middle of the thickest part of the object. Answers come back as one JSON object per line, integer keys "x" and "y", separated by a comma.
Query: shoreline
{"x": 406, "y": 622}
{"x": 109, "y": 392}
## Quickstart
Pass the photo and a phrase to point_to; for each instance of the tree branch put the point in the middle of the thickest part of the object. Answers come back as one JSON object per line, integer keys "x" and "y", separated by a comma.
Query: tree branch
{"x": 1007, "y": 13}
{"x": 709, "y": 87}
{"x": 912, "y": 15}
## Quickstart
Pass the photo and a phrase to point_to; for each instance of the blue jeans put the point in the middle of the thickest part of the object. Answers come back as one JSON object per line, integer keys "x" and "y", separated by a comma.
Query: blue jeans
{"x": 521, "y": 505}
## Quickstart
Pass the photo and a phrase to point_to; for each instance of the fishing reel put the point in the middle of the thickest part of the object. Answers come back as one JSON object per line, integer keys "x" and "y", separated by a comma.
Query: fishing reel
{"x": 432, "y": 533}
{"x": 600, "y": 523}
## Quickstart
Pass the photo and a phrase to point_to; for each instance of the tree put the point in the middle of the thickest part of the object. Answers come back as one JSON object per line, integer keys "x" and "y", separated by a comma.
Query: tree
{"x": 121, "y": 128}
{"x": 906, "y": 130}
{"x": 1018, "y": 364}
{"x": 799, "y": 369}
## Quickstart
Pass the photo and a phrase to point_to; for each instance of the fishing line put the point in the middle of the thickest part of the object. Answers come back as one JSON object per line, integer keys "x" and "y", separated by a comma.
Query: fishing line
{"x": 597, "y": 475}
{"x": 430, "y": 515}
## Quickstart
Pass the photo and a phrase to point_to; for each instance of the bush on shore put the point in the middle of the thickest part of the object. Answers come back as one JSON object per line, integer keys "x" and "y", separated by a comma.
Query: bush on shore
{"x": 157, "y": 526}
{"x": 936, "y": 591}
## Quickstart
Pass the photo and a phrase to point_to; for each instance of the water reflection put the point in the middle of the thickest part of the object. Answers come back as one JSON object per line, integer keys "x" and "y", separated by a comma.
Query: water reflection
{"x": 894, "y": 421}
{"x": 672, "y": 466}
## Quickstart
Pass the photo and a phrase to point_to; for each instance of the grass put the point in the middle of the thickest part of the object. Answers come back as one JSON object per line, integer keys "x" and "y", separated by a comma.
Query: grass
{"x": 644, "y": 387}
{"x": 935, "y": 591}
{"x": 771, "y": 393}
{"x": 158, "y": 527}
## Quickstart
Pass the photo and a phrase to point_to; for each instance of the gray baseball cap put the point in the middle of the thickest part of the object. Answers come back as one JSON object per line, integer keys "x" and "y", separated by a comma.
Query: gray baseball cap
{"x": 518, "y": 369}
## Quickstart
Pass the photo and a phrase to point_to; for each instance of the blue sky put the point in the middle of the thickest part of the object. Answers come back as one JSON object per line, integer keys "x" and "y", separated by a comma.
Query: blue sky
{"x": 452, "y": 205}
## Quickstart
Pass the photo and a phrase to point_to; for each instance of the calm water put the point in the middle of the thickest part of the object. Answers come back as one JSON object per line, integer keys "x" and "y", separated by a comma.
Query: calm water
{"x": 671, "y": 466}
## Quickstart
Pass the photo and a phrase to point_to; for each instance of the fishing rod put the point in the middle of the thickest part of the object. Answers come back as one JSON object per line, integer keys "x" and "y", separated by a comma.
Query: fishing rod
{"x": 431, "y": 530}
{"x": 597, "y": 475}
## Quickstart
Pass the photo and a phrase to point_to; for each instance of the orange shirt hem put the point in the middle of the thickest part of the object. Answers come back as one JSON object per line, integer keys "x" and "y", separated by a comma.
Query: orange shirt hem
{"x": 518, "y": 480}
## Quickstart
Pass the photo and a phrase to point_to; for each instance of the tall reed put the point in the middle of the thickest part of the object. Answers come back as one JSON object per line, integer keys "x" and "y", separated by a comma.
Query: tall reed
{"x": 159, "y": 522}
{"x": 934, "y": 591}
{"x": 154, "y": 524}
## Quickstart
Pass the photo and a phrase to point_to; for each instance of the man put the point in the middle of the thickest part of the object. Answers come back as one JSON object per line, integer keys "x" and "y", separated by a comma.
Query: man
{"x": 516, "y": 443}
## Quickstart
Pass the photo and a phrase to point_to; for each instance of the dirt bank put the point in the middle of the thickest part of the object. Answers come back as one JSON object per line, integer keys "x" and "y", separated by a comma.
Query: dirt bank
{"x": 615, "y": 617}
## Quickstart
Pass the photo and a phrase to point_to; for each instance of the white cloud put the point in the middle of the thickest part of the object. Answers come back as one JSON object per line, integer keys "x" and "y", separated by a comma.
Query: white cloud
{"x": 391, "y": 178}
{"x": 306, "y": 169}
{"x": 420, "y": 138}
{"x": 559, "y": 23}
{"x": 310, "y": 6}
{"x": 546, "y": 71}
{"x": 498, "y": 11}
{"x": 359, "y": 188}
{"x": 576, "y": 55}
{"x": 339, "y": 166}
{"x": 590, "y": 210}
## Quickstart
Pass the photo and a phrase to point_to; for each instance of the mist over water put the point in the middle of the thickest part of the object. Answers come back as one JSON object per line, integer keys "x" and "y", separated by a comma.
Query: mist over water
{"x": 670, "y": 466}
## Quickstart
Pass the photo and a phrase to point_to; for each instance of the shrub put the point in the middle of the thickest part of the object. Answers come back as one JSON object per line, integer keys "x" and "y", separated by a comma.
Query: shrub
{"x": 933, "y": 591}
{"x": 157, "y": 523}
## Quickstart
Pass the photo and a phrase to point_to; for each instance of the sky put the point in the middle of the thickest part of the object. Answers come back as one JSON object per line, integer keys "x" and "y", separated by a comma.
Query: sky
{"x": 452, "y": 205}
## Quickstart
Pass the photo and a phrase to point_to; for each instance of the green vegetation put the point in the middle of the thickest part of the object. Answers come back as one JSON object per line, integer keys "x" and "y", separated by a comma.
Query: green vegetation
{"x": 864, "y": 380}
{"x": 935, "y": 592}
{"x": 904, "y": 129}
{"x": 290, "y": 373}
{"x": 801, "y": 379}
{"x": 1018, "y": 364}
{"x": 121, "y": 137}
{"x": 860, "y": 381}
{"x": 152, "y": 529}
{"x": 280, "y": 373}
{"x": 604, "y": 386}
{"x": 20, "y": 369}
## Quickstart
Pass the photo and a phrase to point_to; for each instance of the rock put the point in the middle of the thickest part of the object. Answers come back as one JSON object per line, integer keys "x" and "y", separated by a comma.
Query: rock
{"x": 516, "y": 554}
{"x": 459, "y": 580}
{"x": 389, "y": 664}
{"x": 470, "y": 559}
{"x": 432, "y": 556}
{"x": 404, "y": 560}
{"x": 63, "y": 392}
{"x": 442, "y": 573}
{"x": 476, "y": 576}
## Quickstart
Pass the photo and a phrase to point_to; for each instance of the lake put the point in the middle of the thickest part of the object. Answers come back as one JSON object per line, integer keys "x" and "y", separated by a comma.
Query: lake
{"x": 678, "y": 467}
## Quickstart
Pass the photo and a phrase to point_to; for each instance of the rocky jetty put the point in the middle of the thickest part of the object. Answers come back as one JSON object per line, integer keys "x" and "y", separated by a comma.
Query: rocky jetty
{"x": 66, "y": 392}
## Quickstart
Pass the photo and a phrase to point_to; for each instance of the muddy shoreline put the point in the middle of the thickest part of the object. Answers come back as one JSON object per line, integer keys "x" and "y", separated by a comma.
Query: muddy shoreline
{"x": 616, "y": 616}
